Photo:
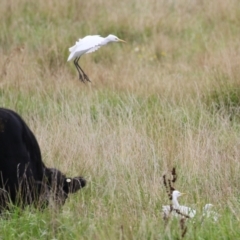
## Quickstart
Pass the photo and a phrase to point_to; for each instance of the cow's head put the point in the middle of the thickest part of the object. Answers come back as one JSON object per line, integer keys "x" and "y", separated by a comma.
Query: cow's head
{"x": 60, "y": 186}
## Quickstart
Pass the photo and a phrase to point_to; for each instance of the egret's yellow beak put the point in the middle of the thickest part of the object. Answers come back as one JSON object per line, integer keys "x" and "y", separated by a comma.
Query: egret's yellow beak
{"x": 183, "y": 193}
{"x": 120, "y": 40}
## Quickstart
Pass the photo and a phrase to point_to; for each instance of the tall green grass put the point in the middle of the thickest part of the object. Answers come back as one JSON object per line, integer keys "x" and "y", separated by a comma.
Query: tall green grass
{"x": 169, "y": 97}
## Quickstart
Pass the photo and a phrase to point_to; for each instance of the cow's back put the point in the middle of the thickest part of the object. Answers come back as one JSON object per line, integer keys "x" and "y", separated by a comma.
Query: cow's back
{"x": 20, "y": 155}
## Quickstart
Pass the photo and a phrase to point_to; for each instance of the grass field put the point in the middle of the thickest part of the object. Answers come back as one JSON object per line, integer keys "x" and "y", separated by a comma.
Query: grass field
{"x": 169, "y": 97}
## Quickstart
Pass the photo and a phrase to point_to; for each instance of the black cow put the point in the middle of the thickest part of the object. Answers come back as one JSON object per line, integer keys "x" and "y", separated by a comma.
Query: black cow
{"x": 24, "y": 179}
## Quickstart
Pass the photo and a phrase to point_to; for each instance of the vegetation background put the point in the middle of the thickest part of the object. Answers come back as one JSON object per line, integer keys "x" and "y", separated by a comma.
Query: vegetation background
{"x": 169, "y": 97}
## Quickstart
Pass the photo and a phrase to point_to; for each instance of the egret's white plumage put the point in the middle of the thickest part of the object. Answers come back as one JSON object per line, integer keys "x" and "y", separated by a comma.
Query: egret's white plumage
{"x": 209, "y": 213}
{"x": 86, "y": 45}
{"x": 176, "y": 209}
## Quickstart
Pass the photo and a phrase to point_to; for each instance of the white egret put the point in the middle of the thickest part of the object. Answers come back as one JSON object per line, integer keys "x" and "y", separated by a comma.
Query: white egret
{"x": 88, "y": 44}
{"x": 209, "y": 213}
{"x": 176, "y": 209}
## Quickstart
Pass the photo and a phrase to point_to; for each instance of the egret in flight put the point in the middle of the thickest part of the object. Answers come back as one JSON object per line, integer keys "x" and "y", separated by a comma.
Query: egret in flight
{"x": 88, "y": 44}
{"x": 176, "y": 209}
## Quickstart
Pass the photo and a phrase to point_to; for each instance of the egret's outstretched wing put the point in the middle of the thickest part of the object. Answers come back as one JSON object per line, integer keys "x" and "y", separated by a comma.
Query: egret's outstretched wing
{"x": 89, "y": 42}
{"x": 82, "y": 41}
{"x": 86, "y": 45}
{"x": 94, "y": 49}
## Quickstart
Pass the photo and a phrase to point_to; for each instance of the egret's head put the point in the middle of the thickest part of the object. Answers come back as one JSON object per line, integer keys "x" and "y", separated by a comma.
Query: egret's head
{"x": 177, "y": 194}
{"x": 113, "y": 38}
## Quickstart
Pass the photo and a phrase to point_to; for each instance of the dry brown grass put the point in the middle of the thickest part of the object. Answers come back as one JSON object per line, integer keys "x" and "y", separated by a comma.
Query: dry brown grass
{"x": 145, "y": 110}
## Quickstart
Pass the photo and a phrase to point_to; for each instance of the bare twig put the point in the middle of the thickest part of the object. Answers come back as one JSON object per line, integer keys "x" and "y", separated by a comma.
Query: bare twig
{"x": 183, "y": 227}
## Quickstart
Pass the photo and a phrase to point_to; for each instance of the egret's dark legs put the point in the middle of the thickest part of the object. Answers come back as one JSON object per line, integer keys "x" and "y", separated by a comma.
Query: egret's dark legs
{"x": 82, "y": 75}
{"x": 79, "y": 72}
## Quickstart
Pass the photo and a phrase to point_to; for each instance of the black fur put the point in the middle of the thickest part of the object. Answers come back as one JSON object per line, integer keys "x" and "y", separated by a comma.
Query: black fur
{"x": 24, "y": 179}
